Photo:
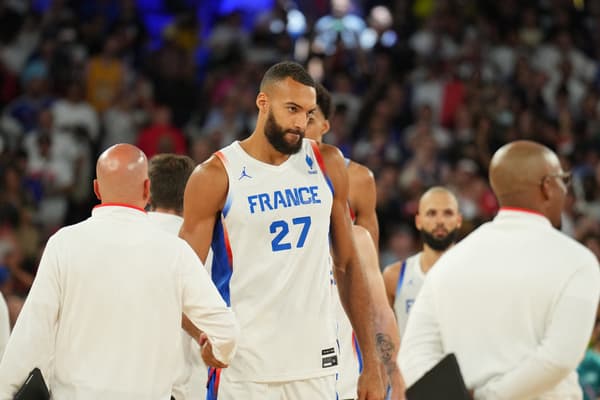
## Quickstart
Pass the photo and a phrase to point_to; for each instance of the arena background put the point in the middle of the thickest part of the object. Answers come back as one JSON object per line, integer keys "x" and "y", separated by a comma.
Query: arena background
{"x": 424, "y": 91}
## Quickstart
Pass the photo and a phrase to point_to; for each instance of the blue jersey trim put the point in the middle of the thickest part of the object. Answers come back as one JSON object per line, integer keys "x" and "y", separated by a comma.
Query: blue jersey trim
{"x": 227, "y": 205}
{"x": 401, "y": 279}
{"x": 221, "y": 266}
{"x": 358, "y": 353}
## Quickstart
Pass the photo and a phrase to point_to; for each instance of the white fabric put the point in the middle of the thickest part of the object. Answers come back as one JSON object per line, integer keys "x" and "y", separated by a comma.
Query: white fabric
{"x": 407, "y": 293}
{"x": 4, "y": 325}
{"x": 280, "y": 285}
{"x": 167, "y": 222}
{"x": 103, "y": 317}
{"x": 515, "y": 301}
{"x": 191, "y": 383}
{"x": 321, "y": 388}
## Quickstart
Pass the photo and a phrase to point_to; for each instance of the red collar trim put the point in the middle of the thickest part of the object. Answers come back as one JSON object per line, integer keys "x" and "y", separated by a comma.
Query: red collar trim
{"x": 120, "y": 205}
{"x": 523, "y": 210}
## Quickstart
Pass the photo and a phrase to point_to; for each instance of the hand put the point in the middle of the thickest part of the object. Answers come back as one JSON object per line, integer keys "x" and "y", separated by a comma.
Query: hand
{"x": 371, "y": 384}
{"x": 397, "y": 384}
{"x": 207, "y": 353}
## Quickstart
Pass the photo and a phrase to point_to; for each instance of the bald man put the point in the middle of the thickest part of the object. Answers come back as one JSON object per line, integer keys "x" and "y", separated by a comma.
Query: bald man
{"x": 516, "y": 300}
{"x": 103, "y": 317}
{"x": 438, "y": 219}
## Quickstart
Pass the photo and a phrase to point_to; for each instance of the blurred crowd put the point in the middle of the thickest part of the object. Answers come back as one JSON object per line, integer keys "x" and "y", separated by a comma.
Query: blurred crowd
{"x": 424, "y": 92}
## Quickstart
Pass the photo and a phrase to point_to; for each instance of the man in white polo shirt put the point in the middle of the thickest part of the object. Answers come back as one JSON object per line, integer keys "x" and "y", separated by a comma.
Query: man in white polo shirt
{"x": 516, "y": 300}
{"x": 103, "y": 317}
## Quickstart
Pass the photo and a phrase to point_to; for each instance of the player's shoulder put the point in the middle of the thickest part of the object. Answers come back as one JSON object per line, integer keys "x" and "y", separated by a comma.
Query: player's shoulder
{"x": 393, "y": 268}
{"x": 360, "y": 173}
{"x": 210, "y": 172}
{"x": 360, "y": 170}
{"x": 330, "y": 153}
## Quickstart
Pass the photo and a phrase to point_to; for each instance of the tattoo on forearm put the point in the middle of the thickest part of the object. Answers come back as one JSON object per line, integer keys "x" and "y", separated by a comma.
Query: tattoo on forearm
{"x": 386, "y": 350}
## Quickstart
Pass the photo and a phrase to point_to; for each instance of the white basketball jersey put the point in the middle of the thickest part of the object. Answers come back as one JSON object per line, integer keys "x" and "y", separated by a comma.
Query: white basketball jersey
{"x": 410, "y": 281}
{"x": 271, "y": 250}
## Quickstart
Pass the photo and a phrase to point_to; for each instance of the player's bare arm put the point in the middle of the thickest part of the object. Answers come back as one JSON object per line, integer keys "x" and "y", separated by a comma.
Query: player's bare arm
{"x": 387, "y": 338}
{"x": 390, "y": 279}
{"x": 351, "y": 279}
{"x": 363, "y": 198}
{"x": 203, "y": 199}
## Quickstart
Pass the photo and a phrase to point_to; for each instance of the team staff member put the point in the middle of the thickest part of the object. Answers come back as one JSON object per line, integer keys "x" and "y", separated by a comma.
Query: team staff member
{"x": 515, "y": 300}
{"x": 103, "y": 317}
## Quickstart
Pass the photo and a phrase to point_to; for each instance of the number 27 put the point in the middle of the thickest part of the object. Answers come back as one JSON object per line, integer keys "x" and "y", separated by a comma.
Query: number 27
{"x": 281, "y": 228}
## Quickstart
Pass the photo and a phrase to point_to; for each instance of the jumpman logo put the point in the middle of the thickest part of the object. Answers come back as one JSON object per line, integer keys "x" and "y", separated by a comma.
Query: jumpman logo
{"x": 244, "y": 174}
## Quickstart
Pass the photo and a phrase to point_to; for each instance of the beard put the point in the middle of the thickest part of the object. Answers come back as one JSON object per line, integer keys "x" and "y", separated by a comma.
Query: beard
{"x": 276, "y": 136}
{"x": 439, "y": 243}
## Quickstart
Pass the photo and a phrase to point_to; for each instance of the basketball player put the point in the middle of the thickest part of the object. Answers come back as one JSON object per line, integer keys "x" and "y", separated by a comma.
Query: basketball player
{"x": 438, "y": 220}
{"x": 361, "y": 200}
{"x": 274, "y": 199}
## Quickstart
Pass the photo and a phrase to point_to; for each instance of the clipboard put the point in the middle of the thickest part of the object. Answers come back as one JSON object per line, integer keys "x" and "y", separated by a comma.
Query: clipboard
{"x": 34, "y": 387}
{"x": 442, "y": 382}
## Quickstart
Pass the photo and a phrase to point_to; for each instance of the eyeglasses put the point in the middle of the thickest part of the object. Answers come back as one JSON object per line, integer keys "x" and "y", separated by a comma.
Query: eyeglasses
{"x": 565, "y": 177}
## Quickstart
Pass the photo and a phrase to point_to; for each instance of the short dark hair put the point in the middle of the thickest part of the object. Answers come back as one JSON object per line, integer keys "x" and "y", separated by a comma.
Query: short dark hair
{"x": 168, "y": 175}
{"x": 323, "y": 100}
{"x": 286, "y": 69}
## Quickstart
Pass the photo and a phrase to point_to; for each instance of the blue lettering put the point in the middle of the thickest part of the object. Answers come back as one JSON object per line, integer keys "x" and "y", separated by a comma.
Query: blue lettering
{"x": 252, "y": 202}
{"x": 279, "y": 199}
{"x": 264, "y": 201}
{"x": 314, "y": 191}
{"x": 304, "y": 200}
{"x": 292, "y": 197}
{"x": 409, "y": 303}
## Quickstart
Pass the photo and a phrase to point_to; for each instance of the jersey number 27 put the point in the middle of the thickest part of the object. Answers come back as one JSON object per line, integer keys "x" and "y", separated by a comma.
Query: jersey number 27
{"x": 281, "y": 229}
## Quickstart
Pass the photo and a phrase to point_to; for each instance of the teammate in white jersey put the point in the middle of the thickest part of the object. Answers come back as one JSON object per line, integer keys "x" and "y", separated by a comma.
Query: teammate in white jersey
{"x": 438, "y": 220}
{"x": 274, "y": 202}
{"x": 168, "y": 175}
{"x": 361, "y": 199}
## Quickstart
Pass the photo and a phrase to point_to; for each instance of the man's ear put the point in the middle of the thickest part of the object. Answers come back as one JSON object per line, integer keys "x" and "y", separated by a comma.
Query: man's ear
{"x": 418, "y": 221}
{"x": 262, "y": 102}
{"x": 97, "y": 190}
{"x": 147, "y": 190}
{"x": 545, "y": 188}
{"x": 326, "y": 126}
